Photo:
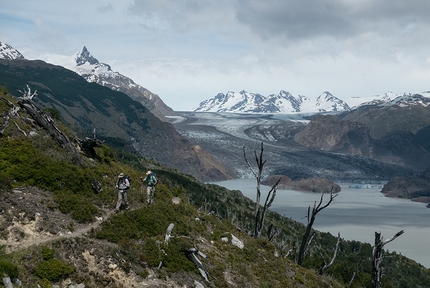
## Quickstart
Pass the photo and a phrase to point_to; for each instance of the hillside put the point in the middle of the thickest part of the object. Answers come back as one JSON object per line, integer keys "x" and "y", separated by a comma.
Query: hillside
{"x": 55, "y": 228}
{"x": 117, "y": 119}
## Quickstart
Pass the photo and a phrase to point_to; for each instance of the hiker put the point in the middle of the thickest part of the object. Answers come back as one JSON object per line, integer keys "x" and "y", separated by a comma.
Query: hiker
{"x": 122, "y": 185}
{"x": 151, "y": 181}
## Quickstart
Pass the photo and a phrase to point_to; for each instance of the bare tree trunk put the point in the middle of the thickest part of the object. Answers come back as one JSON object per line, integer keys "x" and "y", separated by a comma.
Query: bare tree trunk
{"x": 311, "y": 219}
{"x": 260, "y": 212}
{"x": 326, "y": 266}
{"x": 354, "y": 274}
{"x": 377, "y": 255}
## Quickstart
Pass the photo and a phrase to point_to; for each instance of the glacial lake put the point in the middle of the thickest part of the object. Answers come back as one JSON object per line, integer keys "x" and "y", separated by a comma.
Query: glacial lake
{"x": 357, "y": 214}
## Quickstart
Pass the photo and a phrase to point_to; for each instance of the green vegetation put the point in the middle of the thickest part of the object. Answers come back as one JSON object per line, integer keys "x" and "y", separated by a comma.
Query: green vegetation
{"x": 8, "y": 269}
{"x": 50, "y": 268}
{"x": 205, "y": 215}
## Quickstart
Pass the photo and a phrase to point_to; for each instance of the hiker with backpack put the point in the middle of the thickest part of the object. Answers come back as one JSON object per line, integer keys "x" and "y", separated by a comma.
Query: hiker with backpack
{"x": 150, "y": 181}
{"x": 123, "y": 184}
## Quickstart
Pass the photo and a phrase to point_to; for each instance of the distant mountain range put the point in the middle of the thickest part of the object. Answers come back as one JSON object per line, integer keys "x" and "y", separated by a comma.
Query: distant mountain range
{"x": 285, "y": 102}
{"x": 92, "y": 70}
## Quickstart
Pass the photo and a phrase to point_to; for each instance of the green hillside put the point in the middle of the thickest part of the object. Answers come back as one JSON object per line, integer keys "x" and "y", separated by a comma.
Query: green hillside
{"x": 56, "y": 229}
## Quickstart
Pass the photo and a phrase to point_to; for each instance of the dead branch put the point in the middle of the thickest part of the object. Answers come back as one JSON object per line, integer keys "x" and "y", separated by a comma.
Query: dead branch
{"x": 260, "y": 213}
{"x": 27, "y": 94}
{"x": 192, "y": 255}
{"x": 377, "y": 256}
{"x": 311, "y": 219}
{"x": 19, "y": 129}
{"x": 354, "y": 274}
{"x": 168, "y": 233}
{"x": 326, "y": 266}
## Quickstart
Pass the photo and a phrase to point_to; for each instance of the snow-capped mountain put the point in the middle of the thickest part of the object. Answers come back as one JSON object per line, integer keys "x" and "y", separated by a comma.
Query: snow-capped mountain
{"x": 284, "y": 102}
{"x": 410, "y": 99}
{"x": 380, "y": 99}
{"x": 9, "y": 53}
{"x": 92, "y": 70}
{"x": 390, "y": 98}
{"x": 101, "y": 73}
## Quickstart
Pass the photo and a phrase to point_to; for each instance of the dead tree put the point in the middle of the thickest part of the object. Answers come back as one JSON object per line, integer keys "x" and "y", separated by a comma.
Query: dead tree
{"x": 354, "y": 274}
{"x": 377, "y": 255}
{"x": 306, "y": 242}
{"x": 192, "y": 255}
{"x": 48, "y": 124}
{"x": 260, "y": 212}
{"x": 325, "y": 266}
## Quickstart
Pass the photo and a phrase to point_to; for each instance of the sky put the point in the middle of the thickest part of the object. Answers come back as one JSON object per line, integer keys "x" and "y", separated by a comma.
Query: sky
{"x": 188, "y": 51}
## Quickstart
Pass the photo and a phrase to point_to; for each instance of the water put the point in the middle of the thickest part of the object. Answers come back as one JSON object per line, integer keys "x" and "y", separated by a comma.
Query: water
{"x": 357, "y": 214}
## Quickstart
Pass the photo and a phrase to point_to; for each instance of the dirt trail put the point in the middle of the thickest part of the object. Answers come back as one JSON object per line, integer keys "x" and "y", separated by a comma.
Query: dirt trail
{"x": 25, "y": 234}
{"x": 26, "y": 220}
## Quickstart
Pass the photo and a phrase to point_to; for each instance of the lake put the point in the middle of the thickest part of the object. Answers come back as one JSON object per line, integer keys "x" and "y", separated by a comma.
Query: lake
{"x": 357, "y": 214}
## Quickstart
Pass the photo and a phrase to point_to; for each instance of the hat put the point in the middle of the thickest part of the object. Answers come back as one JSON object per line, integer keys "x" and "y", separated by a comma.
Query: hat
{"x": 121, "y": 175}
{"x": 148, "y": 173}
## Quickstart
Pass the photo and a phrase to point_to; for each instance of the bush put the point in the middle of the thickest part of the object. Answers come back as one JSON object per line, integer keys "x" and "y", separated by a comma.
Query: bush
{"x": 47, "y": 253}
{"x": 5, "y": 182}
{"x": 81, "y": 207}
{"x": 9, "y": 269}
{"x": 52, "y": 269}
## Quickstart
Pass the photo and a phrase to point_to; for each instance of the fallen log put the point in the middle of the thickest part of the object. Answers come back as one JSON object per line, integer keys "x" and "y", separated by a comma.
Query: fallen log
{"x": 49, "y": 125}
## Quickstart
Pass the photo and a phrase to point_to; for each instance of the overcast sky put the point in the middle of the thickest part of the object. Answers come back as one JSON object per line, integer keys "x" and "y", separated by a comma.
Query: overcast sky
{"x": 187, "y": 51}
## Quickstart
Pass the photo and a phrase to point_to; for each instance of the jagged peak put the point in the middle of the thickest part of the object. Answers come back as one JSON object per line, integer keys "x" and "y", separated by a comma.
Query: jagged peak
{"x": 84, "y": 56}
{"x": 9, "y": 53}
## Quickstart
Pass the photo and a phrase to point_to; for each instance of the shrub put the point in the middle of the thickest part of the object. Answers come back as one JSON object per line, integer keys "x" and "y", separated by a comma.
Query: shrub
{"x": 45, "y": 283}
{"x": 9, "y": 269}
{"x": 52, "y": 269}
{"x": 47, "y": 253}
{"x": 81, "y": 207}
{"x": 5, "y": 182}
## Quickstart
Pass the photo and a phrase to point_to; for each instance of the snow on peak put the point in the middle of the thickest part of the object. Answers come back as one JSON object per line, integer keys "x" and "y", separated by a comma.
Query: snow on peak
{"x": 283, "y": 102}
{"x": 84, "y": 56}
{"x": 7, "y": 52}
{"x": 91, "y": 69}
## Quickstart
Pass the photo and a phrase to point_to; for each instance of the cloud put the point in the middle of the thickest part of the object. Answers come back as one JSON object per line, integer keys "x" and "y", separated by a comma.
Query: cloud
{"x": 193, "y": 49}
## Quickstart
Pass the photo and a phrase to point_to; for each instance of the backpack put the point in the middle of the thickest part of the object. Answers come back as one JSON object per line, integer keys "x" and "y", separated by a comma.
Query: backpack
{"x": 156, "y": 180}
{"x": 126, "y": 177}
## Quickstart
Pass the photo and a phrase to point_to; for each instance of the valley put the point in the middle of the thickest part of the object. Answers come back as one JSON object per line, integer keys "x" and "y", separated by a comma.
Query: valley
{"x": 224, "y": 135}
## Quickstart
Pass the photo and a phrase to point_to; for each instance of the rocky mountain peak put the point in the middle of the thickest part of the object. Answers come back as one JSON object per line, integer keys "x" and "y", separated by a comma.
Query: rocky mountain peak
{"x": 84, "y": 56}
{"x": 7, "y": 52}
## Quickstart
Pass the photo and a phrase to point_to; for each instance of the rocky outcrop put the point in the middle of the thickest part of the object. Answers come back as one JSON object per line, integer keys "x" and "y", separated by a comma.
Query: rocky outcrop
{"x": 329, "y": 133}
{"x": 415, "y": 188}
{"x": 317, "y": 185}
{"x": 347, "y": 136}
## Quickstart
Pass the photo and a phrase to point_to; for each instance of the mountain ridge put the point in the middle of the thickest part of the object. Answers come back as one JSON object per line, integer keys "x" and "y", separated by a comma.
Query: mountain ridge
{"x": 101, "y": 73}
{"x": 88, "y": 67}
{"x": 118, "y": 119}
{"x": 285, "y": 102}
{"x": 92, "y": 70}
